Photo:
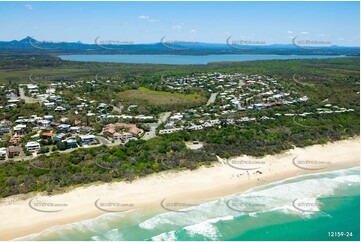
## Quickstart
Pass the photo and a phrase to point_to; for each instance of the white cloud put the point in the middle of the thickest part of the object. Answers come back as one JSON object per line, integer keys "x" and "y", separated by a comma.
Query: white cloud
{"x": 341, "y": 38}
{"x": 143, "y": 17}
{"x": 148, "y": 19}
{"x": 28, "y": 6}
{"x": 193, "y": 31}
{"x": 177, "y": 26}
{"x": 289, "y": 32}
{"x": 304, "y": 33}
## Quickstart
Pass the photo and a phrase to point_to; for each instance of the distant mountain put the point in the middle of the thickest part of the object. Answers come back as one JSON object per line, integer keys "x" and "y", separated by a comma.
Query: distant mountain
{"x": 30, "y": 45}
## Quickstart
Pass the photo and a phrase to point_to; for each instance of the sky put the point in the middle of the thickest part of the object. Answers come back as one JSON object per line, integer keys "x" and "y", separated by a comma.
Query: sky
{"x": 211, "y": 22}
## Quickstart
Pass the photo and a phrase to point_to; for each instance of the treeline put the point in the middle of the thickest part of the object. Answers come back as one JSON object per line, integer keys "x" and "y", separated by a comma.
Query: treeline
{"x": 135, "y": 159}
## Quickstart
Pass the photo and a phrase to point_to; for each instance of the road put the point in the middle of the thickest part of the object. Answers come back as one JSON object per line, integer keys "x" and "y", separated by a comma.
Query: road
{"x": 103, "y": 140}
{"x": 26, "y": 98}
{"x": 153, "y": 126}
{"x": 212, "y": 98}
{"x": 118, "y": 109}
{"x": 163, "y": 117}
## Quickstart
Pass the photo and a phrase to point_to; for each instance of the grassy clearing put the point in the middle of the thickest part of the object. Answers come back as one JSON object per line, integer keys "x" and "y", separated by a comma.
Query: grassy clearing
{"x": 160, "y": 98}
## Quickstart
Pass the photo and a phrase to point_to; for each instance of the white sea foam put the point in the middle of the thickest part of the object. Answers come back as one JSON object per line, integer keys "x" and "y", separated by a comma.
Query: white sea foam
{"x": 168, "y": 236}
{"x": 279, "y": 196}
{"x": 111, "y": 235}
{"x": 351, "y": 178}
{"x": 205, "y": 229}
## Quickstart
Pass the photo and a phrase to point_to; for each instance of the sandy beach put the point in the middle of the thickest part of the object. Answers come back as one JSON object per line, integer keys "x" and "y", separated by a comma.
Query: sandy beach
{"x": 23, "y": 215}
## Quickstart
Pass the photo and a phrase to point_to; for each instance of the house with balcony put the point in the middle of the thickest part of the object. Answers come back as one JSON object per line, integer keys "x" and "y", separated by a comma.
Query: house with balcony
{"x": 32, "y": 146}
{"x": 87, "y": 139}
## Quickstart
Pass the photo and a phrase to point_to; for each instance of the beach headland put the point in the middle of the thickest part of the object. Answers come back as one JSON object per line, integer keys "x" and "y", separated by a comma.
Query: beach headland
{"x": 32, "y": 213}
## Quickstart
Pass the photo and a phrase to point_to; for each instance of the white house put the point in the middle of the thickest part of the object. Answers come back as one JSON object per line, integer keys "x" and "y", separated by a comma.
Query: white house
{"x": 60, "y": 109}
{"x": 49, "y": 117}
{"x": 3, "y": 153}
{"x": 74, "y": 129}
{"x": 44, "y": 123}
{"x": 49, "y": 105}
{"x": 19, "y": 127}
{"x": 176, "y": 117}
{"x": 168, "y": 131}
{"x": 32, "y": 146}
{"x": 87, "y": 139}
{"x": 64, "y": 127}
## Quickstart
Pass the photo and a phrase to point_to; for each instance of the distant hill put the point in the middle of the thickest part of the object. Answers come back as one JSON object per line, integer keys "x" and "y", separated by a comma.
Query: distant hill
{"x": 30, "y": 45}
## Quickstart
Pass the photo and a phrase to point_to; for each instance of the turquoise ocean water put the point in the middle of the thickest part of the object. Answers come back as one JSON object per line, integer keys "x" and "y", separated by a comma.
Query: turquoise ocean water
{"x": 308, "y": 207}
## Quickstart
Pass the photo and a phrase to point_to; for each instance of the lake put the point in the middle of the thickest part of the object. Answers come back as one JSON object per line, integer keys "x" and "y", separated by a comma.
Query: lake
{"x": 185, "y": 59}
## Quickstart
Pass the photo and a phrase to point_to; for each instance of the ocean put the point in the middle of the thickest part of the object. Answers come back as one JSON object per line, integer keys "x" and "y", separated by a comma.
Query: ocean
{"x": 317, "y": 207}
{"x": 185, "y": 59}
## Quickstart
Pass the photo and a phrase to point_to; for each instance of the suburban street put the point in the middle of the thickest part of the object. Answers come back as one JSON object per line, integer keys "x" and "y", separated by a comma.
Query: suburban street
{"x": 212, "y": 98}
{"x": 26, "y": 98}
{"x": 153, "y": 126}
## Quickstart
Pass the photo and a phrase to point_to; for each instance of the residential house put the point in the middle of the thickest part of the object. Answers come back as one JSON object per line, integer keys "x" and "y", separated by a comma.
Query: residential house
{"x": 19, "y": 127}
{"x": 47, "y": 135}
{"x": 32, "y": 146}
{"x": 54, "y": 124}
{"x": 5, "y": 124}
{"x": 14, "y": 150}
{"x": 116, "y": 136}
{"x": 169, "y": 126}
{"x": 4, "y": 130}
{"x": 11, "y": 106}
{"x": 49, "y": 105}
{"x": 59, "y": 137}
{"x": 127, "y": 135}
{"x": 59, "y": 109}
{"x": 49, "y": 117}
{"x": 131, "y": 128}
{"x": 74, "y": 129}
{"x": 168, "y": 131}
{"x": 87, "y": 139}
{"x": 64, "y": 119}
{"x": 63, "y": 127}
{"x": 176, "y": 117}
{"x": 71, "y": 143}
{"x": 44, "y": 123}
{"x": 86, "y": 129}
{"x": 3, "y": 153}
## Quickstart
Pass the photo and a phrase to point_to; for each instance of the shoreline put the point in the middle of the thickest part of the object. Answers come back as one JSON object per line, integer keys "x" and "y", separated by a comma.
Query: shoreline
{"x": 24, "y": 216}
